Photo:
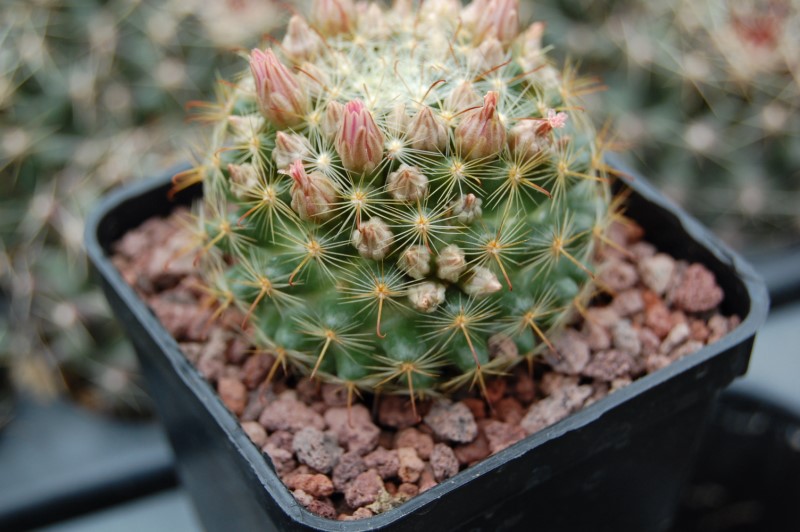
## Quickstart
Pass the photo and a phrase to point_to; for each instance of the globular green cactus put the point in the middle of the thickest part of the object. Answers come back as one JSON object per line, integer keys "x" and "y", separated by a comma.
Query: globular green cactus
{"x": 389, "y": 196}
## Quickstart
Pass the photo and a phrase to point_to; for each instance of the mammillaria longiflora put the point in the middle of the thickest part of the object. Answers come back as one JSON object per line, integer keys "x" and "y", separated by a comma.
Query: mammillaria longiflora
{"x": 389, "y": 189}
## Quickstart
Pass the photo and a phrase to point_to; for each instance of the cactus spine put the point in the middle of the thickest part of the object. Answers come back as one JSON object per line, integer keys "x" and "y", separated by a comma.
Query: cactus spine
{"x": 388, "y": 190}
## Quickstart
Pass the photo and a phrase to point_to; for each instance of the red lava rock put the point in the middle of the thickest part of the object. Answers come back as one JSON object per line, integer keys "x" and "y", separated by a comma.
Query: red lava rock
{"x": 282, "y": 439}
{"x": 698, "y": 331}
{"x": 385, "y": 462}
{"x": 628, "y": 302}
{"x": 395, "y": 411}
{"x": 697, "y": 290}
{"x": 555, "y": 408}
{"x": 476, "y": 406}
{"x": 361, "y": 513}
{"x": 524, "y": 385}
{"x": 609, "y": 365}
{"x": 255, "y": 369}
{"x": 419, "y": 441}
{"x": 510, "y": 410}
{"x": 238, "y": 351}
{"x": 687, "y": 348}
{"x": 626, "y": 339}
{"x": 599, "y": 390}
{"x": 320, "y": 507}
{"x": 410, "y": 464}
{"x": 406, "y": 490}
{"x": 427, "y": 479}
{"x": 596, "y": 336}
{"x": 677, "y": 335}
{"x": 255, "y": 432}
{"x": 364, "y": 489}
{"x": 501, "y": 435}
{"x": 212, "y": 359}
{"x": 349, "y": 466}
{"x": 308, "y": 390}
{"x": 649, "y": 341}
{"x": 655, "y": 362}
{"x": 495, "y": 390}
{"x": 604, "y": 317}
{"x": 282, "y": 459}
{"x": 287, "y": 413}
{"x": 444, "y": 462}
{"x": 657, "y": 272}
{"x": 184, "y": 322}
{"x": 316, "y": 449}
{"x": 657, "y": 315}
{"x": 552, "y": 382}
{"x": 642, "y": 250}
{"x": 233, "y": 394}
{"x": 718, "y": 327}
{"x": 452, "y": 421}
{"x": 334, "y": 394}
{"x": 476, "y": 450}
{"x": 192, "y": 351}
{"x": 618, "y": 275}
{"x": 316, "y": 485}
{"x": 573, "y": 353}
{"x": 353, "y": 427}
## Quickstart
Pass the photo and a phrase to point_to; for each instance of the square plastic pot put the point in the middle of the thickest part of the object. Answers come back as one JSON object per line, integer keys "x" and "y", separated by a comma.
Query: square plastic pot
{"x": 618, "y": 464}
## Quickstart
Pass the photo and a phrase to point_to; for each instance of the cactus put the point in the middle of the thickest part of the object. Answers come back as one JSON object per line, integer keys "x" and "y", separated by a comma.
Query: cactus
{"x": 91, "y": 95}
{"x": 707, "y": 95}
{"x": 389, "y": 193}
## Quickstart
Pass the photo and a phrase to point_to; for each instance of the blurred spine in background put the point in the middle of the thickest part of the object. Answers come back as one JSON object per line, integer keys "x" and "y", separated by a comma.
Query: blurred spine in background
{"x": 91, "y": 95}
{"x": 707, "y": 95}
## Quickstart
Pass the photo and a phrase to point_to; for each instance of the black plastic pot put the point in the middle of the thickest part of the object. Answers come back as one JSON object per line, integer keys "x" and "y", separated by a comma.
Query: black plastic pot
{"x": 618, "y": 464}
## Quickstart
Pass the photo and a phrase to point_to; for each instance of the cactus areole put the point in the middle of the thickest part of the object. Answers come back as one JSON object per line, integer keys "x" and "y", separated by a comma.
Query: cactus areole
{"x": 389, "y": 189}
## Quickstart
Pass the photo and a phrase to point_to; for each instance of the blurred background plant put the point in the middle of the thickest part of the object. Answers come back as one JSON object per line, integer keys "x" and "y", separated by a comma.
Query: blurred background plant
{"x": 91, "y": 95}
{"x": 706, "y": 96}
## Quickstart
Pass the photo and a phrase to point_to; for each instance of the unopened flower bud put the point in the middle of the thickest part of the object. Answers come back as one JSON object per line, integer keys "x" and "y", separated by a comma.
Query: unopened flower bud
{"x": 524, "y": 143}
{"x": 332, "y": 17}
{"x": 359, "y": 142}
{"x": 281, "y": 98}
{"x": 290, "y": 147}
{"x": 300, "y": 43}
{"x": 313, "y": 78}
{"x": 244, "y": 177}
{"x": 426, "y": 297}
{"x": 467, "y": 208}
{"x": 487, "y": 56}
{"x": 552, "y": 121}
{"x": 245, "y": 127}
{"x": 427, "y": 132}
{"x": 372, "y": 23}
{"x": 472, "y": 13}
{"x": 481, "y": 134}
{"x": 482, "y": 283}
{"x": 313, "y": 195}
{"x": 450, "y": 263}
{"x": 532, "y": 43}
{"x": 415, "y": 261}
{"x": 463, "y": 97}
{"x": 407, "y": 183}
{"x": 372, "y": 239}
{"x": 500, "y": 20}
{"x": 332, "y": 119}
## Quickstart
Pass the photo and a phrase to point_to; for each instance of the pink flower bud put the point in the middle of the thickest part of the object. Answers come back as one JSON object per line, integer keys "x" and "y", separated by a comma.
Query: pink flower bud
{"x": 463, "y": 97}
{"x": 359, "y": 142}
{"x": 332, "y": 17}
{"x": 473, "y": 12}
{"x": 500, "y": 20}
{"x": 372, "y": 239}
{"x": 407, "y": 183}
{"x": 426, "y": 297}
{"x": 487, "y": 56}
{"x": 523, "y": 141}
{"x": 332, "y": 119}
{"x": 281, "y": 98}
{"x": 301, "y": 43}
{"x": 397, "y": 120}
{"x": 467, "y": 208}
{"x": 482, "y": 283}
{"x": 481, "y": 133}
{"x": 313, "y": 79}
{"x": 427, "y": 132}
{"x": 415, "y": 261}
{"x": 244, "y": 178}
{"x": 290, "y": 147}
{"x": 313, "y": 195}
{"x": 450, "y": 263}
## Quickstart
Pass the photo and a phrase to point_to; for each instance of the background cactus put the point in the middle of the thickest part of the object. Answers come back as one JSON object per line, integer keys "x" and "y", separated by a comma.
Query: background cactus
{"x": 390, "y": 195}
{"x": 91, "y": 95}
{"x": 706, "y": 94}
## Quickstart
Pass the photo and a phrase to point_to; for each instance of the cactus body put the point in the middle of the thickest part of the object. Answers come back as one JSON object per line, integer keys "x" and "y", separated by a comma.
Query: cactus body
{"x": 419, "y": 181}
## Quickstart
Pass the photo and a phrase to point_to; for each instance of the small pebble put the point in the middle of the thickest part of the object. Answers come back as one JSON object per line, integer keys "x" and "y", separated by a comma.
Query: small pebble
{"x": 410, "y": 464}
{"x": 316, "y": 449}
{"x": 452, "y": 421}
{"x": 443, "y": 462}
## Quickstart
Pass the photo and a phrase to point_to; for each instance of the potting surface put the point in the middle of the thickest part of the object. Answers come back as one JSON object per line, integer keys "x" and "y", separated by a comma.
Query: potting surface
{"x": 774, "y": 361}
